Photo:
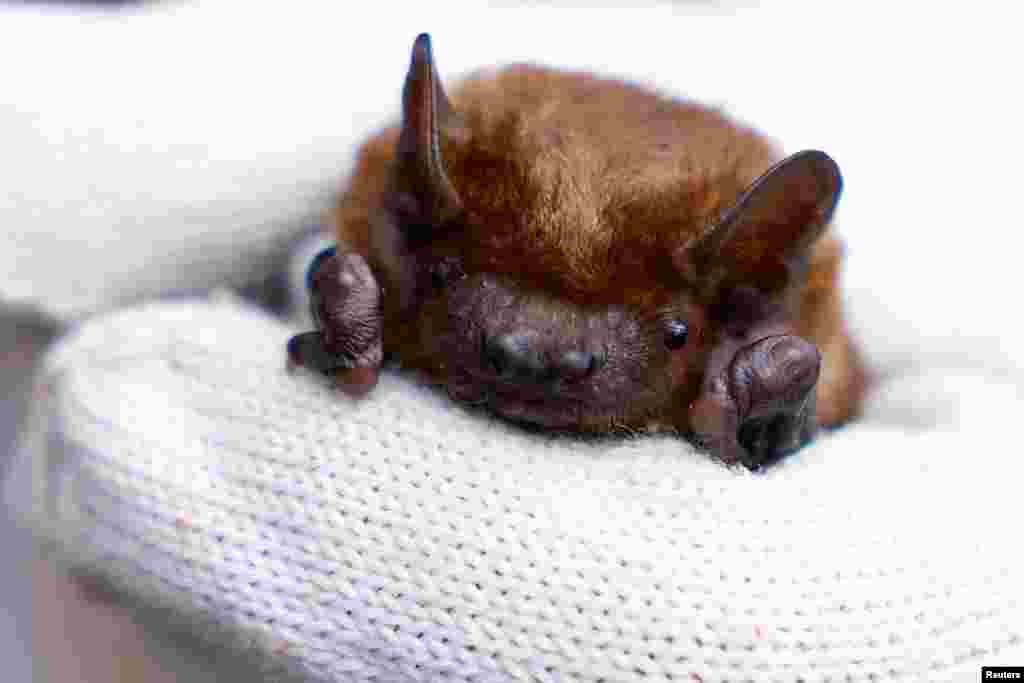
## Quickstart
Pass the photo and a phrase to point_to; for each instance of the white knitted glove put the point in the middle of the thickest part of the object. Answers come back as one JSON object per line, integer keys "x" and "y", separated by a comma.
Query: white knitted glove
{"x": 403, "y": 538}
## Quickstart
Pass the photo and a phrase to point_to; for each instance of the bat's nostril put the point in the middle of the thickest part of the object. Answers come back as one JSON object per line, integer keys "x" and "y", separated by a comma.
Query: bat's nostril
{"x": 575, "y": 365}
{"x": 513, "y": 357}
{"x": 510, "y": 356}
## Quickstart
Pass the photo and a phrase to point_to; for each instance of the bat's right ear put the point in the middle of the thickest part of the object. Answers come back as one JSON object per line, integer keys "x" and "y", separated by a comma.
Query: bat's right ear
{"x": 762, "y": 238}
{"x": 420, "y": 172}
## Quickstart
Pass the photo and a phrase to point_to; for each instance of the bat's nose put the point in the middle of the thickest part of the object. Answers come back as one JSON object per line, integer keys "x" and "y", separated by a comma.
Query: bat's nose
{"x": 514, "y": 357}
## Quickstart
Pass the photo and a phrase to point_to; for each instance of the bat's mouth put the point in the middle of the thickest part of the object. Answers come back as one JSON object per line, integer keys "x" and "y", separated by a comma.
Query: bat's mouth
{"x": 550, "y": 413}
{"x": 541, "y": 406}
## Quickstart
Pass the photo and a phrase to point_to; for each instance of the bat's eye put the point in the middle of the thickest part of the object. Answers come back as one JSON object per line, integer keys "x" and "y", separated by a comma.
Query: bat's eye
{"x": 676, "y": 332}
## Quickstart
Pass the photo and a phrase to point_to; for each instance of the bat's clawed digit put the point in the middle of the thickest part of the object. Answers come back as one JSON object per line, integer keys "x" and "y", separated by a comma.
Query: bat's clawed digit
{"x": 760, "y": 405}
{"x": 776, "y": 378}
{"x": 358, "y": 381}
{"x": 345, "y": 304}
{"x": 757, "y": 401}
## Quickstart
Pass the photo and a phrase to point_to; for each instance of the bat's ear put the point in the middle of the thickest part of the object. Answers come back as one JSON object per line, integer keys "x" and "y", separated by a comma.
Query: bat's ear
{"x": 765, "y": 236}
{"x": 420, "y": 172}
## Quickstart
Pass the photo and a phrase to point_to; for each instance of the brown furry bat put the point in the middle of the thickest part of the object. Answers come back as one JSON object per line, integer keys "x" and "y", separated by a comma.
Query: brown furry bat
{"x": 582, "y": 254}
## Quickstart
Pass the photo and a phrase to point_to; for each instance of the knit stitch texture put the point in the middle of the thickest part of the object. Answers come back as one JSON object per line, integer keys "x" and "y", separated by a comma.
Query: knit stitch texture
{"x": 403, "y": 538}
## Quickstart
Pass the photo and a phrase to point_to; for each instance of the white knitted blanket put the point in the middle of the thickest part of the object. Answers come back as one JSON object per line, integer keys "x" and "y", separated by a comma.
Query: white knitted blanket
{"x": 405, "y": 539}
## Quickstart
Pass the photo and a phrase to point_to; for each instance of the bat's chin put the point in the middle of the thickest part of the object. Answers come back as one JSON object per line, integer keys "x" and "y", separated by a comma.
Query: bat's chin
{"x": 543, "y": 409}
{"x": 549, "y": 413}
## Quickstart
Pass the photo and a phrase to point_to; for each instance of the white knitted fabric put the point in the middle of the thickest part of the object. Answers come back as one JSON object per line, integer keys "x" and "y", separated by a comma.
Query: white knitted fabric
{"x": 403, "y": 538}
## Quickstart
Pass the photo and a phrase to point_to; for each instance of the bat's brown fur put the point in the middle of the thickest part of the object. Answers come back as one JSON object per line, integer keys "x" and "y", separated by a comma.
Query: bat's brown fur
{"x": 580, "y": 190}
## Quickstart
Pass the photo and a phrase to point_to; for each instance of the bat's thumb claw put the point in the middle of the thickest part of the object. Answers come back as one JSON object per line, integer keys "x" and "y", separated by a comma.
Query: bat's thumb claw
{"x": 357, "y": 382}
{"x": 776, "y": 377}
{"x": 302, "y": 349}
{"x": 761, "y": 406}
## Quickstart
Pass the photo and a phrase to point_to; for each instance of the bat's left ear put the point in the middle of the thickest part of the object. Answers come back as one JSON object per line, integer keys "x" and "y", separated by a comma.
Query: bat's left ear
{"x": 764, "y": 237}
{"x": 426, "y": 111}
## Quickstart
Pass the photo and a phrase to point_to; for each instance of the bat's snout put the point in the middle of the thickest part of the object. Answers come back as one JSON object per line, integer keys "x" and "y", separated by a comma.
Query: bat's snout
{"x": 537, "y": 359}
{"x": 519, "y": 358}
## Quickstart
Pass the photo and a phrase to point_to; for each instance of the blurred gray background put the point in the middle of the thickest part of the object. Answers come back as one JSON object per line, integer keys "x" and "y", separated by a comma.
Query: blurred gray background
{"x": 22, "y": 338}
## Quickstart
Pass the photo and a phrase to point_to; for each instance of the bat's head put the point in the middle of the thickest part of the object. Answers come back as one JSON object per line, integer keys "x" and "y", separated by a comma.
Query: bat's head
{"x": 571, "y": 251}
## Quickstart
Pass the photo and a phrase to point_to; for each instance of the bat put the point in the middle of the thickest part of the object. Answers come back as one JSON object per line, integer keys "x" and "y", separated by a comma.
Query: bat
{"x": 581, "y": 254}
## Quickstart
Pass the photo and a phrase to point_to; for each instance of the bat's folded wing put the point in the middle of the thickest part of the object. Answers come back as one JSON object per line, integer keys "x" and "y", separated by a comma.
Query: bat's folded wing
{"x": 403, "y": 538}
